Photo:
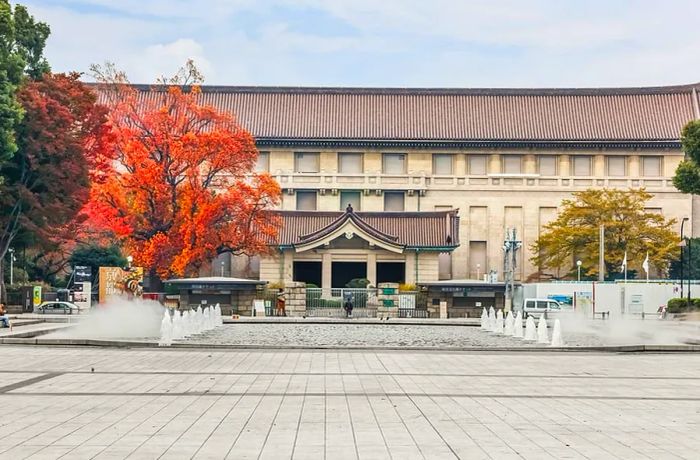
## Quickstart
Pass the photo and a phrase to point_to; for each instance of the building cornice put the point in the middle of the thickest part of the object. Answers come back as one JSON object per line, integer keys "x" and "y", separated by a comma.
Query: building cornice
{"x": 667, "y": 144}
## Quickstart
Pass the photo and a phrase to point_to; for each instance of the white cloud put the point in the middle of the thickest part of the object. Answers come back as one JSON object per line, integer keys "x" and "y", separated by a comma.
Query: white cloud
{"x": 388, "y": 42}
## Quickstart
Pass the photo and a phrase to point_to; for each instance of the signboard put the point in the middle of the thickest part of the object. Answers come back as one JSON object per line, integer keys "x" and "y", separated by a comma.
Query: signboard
{"x": 36, "y": 296}
{"x": 82, "y": 295}
{"x": 115, "y": 281}
{"x": 583, "y": 302}
{"x": 407, "y": 301}
{"x": 81, "y": 274}
{"x": 258, "y": 307}
{"x": 636, "y": 304}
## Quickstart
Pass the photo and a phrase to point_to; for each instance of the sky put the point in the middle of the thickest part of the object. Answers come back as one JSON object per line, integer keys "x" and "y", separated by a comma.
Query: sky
{"x": 388, "y": 43}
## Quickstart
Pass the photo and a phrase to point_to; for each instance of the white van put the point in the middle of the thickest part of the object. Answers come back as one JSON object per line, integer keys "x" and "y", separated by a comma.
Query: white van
{"x": 536, "y": 307}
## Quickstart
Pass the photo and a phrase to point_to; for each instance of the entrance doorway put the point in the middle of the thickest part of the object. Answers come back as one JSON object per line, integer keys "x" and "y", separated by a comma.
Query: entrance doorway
{"x": 391, "y": 272}
{"x": 308, "y": 272}
{"x": 343, "y": 272}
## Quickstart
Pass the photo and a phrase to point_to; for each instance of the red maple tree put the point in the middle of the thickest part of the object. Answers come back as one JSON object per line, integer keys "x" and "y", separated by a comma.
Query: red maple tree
{"x": 46, "y": 183}
{"x": 182, "y": 187}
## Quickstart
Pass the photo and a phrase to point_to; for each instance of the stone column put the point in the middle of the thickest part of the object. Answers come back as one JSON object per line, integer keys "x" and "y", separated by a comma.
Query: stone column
{"x": 599, "y": 166}
{"x": 494, "y": 164}
{"x": 530, "y": 164}
{"x": 634, "y": 165}
{"x": 564, "y": 165}
{"x": 326, "y": 270}
{"x": 372, "y": 268}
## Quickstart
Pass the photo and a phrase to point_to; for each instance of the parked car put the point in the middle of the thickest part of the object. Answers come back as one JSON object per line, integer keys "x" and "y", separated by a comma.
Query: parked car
{"x": 536, "y": 307}
{"x": 58, "y": 307}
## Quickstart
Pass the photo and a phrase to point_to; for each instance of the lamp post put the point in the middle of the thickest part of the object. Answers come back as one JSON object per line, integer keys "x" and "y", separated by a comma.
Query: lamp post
{"x": 682, "y": 244}
{"x": 12, "y": 265}
{"x": 129, "y": 260}
{"x": 222, "y": 268}
{"x": 578, "y": 266}
{"x": 690, "y": 267}
{"x": 478, "y": 271}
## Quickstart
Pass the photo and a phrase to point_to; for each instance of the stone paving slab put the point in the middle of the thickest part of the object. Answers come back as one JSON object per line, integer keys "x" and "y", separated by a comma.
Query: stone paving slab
{"x": 84, "y": 403}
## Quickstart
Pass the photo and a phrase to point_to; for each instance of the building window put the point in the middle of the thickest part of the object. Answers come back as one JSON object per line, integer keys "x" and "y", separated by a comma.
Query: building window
{"x": 477, "y": 165}
{"x": 582, "y": 166}
{"x": 263, "y": 162}
{"x": 442, "y": 164}
{"x": 394, "y": 201}
{"x": 350, "y": 197}
{"x": 651, "y": 166}
{"x": 306, "y": 162}
{"x": 394, "y": 163}
{"x": 548, "y": 165}
{"x": 306, "y": 201}
{"x": 350, "y": 163}
{"x": 512, "y": 164}
{"x": 617, "y": 166}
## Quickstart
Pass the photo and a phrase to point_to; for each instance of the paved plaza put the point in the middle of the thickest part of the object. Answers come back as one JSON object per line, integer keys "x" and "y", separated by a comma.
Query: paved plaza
{"x": 82, "y": 403}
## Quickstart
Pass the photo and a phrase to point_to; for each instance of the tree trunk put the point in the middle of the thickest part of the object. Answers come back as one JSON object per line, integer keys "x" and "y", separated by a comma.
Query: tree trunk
{"x": 3, "y": 291}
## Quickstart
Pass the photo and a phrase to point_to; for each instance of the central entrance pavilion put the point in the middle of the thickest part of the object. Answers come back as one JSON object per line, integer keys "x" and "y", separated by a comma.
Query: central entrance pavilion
{"x": 329, "y": 249}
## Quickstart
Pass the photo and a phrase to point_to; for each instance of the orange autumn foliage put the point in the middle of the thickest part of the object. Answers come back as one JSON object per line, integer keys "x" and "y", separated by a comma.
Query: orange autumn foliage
{"x": 182, "y": 187}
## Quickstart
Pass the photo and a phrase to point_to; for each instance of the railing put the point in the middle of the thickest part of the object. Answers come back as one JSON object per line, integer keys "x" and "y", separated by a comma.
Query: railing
{"x": 319, "y": 298}
{"x": 330, "y": 303}
{"x": 413, "y": 313}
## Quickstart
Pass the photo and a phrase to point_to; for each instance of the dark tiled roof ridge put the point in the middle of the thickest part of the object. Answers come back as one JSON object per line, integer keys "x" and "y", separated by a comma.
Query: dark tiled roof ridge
{"x": 368, "y": 213}
{"x": 510, "y": 91}
{"x": 340, "y": 221}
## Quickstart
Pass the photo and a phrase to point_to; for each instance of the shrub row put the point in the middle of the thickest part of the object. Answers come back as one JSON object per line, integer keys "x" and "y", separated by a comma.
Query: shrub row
{"x": 679, "y": 305}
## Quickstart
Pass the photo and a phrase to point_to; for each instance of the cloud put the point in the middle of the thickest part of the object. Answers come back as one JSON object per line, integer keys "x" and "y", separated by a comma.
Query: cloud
{"x": 389, "y": 43}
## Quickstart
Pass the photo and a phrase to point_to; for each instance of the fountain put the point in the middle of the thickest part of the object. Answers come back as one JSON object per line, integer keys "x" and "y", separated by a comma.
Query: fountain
{"x": 492, "y": 319}
{"x": 219, "y": 318}
{"x": 484, "y": 319}
{"x": 166, "y": 330}
{"x": 556, "y": 334}
{"x": 178, "y": 332}
{"x": 542, "y": 336}
{"x": 499, "y": 323}
{"x": 206, "y": 319}
{"x": 530, "y": 329}
{"x": 508, "y": 329}
{"x": 518, "y": 325}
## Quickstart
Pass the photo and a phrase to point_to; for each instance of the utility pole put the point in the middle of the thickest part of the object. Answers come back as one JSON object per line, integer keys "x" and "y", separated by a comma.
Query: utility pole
{"x": 12, "y": 265}
{"x": 601, "y": 255}
{"x": 510, "y": 261}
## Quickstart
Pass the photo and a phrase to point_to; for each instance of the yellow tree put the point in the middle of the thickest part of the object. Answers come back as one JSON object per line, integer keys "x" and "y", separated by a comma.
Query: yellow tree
{"x": 629, "y": 226}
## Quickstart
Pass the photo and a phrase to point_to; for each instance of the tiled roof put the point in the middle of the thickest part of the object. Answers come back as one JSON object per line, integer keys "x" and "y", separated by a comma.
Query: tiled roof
{"x": 438, "y": 229}
{"x": 371, "y": 114}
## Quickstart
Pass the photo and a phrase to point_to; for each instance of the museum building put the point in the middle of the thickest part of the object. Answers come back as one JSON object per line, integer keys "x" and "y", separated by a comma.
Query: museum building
{"x": 420, "y": 185}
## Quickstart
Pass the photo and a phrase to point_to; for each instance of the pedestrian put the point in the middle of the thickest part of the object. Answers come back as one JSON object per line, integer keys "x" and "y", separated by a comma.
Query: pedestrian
{"x": 280, "y": 309}
{"x": 348, "y": 307}
{"x": 3, "y": 316}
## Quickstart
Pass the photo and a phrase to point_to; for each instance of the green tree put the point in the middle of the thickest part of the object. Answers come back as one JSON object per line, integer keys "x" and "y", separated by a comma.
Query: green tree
{"x": 22, "y": 41}
{"x": 574, "y": 234}
{"x": 693, "y": 266}
{"x": 96, "y": 256}
{"x": 687, "y": 177}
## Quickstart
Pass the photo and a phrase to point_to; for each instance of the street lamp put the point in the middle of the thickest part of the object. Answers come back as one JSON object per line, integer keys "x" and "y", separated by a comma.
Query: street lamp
{"x": 12, "y": 265}
{"x": 578, "y": 265}
{"x": 682, "y": 245}
{"x": 222, "y": 268}
{"x": 478, "y": 271}
{"x": 129, "y": 260}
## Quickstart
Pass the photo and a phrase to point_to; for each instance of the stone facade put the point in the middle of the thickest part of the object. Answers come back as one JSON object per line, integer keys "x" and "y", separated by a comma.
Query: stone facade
{"x": 488, "y": 203}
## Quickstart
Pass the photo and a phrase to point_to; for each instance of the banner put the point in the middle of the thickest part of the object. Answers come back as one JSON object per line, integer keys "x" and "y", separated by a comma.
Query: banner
{"x": 82, "y": 274}
{"x": 118, "y": 281}
{"x": 36, "y": 296}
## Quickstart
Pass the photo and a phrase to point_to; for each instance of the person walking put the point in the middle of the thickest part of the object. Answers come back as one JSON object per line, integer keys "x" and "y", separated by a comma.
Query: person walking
{"x": 280, "y": 308}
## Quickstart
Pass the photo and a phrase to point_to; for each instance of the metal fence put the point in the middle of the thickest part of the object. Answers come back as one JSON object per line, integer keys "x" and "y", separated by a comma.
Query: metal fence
{"x": 330, "y": 303}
